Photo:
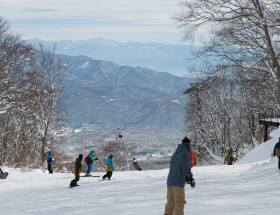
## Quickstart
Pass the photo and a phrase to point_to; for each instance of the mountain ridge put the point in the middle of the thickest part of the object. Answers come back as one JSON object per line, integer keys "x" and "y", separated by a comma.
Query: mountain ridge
{"x": 100, "y": 92}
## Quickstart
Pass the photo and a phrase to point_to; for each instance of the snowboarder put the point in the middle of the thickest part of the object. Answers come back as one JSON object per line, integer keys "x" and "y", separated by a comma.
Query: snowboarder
{"x": 229, "y": 159}
{"x": 136, "y": 164}
{"x": 193, "y": 157}
{"x": 179, "y": 174}
{"x": 49, "y": 161}
{"x": 276, "y": 152}
{"x": 3, "y": 175}
{"x": 89, "y": 162}
{"x": 110, "y": 168}
{"x": 77, "y": 171}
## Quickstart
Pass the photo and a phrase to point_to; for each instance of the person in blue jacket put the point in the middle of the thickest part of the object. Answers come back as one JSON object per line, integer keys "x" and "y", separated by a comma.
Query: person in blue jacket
{"x": 276, "y": 152}
{"x": 179, "y": 174}
{"x": 49, "y": 161}
{"x": 110, "y": 168}
{"x": 90, "y": 162}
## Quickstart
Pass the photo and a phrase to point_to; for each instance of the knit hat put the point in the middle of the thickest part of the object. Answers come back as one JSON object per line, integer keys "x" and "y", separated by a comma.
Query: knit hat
{"x": 91, "y": 151}
{"x": 111, "y": 156}
{"x": 80, "y": 156}
{"x": 186, "y": 140}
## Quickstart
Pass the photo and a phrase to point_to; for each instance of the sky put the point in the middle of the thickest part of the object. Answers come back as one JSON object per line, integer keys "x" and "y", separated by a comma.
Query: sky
{"x": 120, "y": 20}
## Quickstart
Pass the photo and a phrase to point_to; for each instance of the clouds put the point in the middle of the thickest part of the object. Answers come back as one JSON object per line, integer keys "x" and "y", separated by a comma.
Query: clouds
{"x": 121, "y": 20}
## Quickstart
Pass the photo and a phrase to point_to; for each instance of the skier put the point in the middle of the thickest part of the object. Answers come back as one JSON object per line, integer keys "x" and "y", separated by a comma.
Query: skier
{"x": 179, "y": 174}
{"x": 3, "y": 175}
{"x": 193, "y": 157}
{"x": 49, "y": 161}
{"x": 110, "y": 168}
{"x": 229, "y": 159}
{"x": 136, "y": 164}
{"x": 89, "y": 162}
{"x": 77, "y": 171}
{"x": 276, "y": 152}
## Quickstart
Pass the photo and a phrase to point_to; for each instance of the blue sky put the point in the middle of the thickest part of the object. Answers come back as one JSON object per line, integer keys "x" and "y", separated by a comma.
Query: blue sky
{"x": 121, "y": 20}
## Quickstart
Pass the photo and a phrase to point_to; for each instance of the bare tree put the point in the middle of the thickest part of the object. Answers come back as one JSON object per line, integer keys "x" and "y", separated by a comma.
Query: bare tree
{"x": 49, "y": 83}
{"x": 244, "y": 34}
{"x": 14, "y": 58}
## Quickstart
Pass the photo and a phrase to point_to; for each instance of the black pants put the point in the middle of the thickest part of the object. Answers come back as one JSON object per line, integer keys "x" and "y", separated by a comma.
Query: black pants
{"x": 74, "y": 181}
{"x": 50, "y": 168}
{"x": 109, "y": 175}
{"x": 279, "y": 163}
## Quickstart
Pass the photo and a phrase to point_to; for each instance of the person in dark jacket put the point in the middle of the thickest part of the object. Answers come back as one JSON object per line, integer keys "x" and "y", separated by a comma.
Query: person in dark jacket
{"x": 179, "y": 174}
{"x": 3, "y": 175}
{"x": 77, "y": 171}
{"x": 276, "y": 152}
{"x": 109, "y": 168}
{"x": 229, "y": 159}
{"x": 49, "y": 161}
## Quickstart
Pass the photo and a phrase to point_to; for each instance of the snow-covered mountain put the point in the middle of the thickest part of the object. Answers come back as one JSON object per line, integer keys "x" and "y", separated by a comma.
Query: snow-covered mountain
{"x": 161, "y": 57}
{"x": 100, "y": 92}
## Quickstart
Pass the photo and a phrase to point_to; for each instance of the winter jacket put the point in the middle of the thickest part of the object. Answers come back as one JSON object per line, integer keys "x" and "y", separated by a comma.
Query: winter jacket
{"x": 49, "y": 158}
{"x": 193, "y": 157}
{"x": 90, "y": 159}
{"x": 180, "y": 167}
{"x": 229, "y": 159}
{"x": 78, "y": 167}
{"x": 110, "y": 166}
{"x": 276, "y": 151}
{"x": 136, "y": 164}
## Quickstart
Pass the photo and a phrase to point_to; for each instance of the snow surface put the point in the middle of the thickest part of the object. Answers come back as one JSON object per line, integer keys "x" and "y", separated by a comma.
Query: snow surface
{"x": 248, "y": 187}
{"x": 84, "y": 65}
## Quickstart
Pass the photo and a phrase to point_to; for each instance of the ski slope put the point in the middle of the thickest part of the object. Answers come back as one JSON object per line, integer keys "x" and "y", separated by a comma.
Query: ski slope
{"x": 242, "y": 189}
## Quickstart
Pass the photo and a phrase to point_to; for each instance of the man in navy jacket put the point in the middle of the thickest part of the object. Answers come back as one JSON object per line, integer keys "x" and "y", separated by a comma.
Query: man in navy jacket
{"x": 179, "y": 174}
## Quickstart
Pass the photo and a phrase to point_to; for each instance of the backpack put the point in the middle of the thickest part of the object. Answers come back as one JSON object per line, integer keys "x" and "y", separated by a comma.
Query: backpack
{"x": 86, "y": 159}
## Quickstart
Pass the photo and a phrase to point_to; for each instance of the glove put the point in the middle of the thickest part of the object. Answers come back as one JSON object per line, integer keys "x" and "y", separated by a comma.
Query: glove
{"x": 188, "y": 181}
{"x": 192, "y": 183}
{"x": 96, "y": 159}
{"x": 113, "y": 169}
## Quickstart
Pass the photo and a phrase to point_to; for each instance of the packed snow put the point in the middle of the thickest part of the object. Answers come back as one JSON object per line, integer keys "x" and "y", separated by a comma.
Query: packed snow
{"x": 250, "y": 186}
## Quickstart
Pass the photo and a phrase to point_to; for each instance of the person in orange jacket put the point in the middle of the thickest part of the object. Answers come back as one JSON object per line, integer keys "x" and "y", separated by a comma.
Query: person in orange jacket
{"x": 193, "y": 157}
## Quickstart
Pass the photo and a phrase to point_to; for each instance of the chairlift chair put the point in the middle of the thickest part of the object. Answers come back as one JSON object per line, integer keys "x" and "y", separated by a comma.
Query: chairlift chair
{"x": 119, "y": 136}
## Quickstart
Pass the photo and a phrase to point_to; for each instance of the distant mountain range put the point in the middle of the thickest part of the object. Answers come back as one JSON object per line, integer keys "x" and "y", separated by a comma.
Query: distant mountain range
{"x": 104, "y": 93}
{"x": 156, "y": 56}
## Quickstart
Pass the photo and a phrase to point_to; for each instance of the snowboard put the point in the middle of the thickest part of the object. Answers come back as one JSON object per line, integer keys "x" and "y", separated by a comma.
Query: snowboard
{"x": 112, "y": 179}
{"x": 74, "y": 187}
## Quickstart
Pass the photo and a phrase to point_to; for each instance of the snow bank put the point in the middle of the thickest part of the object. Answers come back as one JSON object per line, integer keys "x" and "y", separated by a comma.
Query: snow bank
{"x": 263, "y": 151}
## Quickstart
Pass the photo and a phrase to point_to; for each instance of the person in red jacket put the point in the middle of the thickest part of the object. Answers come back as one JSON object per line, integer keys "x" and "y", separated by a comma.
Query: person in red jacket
{"x": 193, "y": 157}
